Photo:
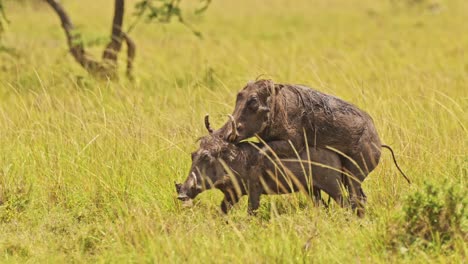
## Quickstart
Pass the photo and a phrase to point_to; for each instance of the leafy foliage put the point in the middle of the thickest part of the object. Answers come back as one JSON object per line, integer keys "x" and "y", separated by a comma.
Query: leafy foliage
{"x": 14, "y": 196}
{"x": 433, "y": 217}
{"x": 162, "y": 11}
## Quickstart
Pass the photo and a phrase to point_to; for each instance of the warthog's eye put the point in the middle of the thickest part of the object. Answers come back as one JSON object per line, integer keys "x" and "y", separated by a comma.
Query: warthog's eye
{"x": 252, "y": 103}
{"x": 205, "y": 156}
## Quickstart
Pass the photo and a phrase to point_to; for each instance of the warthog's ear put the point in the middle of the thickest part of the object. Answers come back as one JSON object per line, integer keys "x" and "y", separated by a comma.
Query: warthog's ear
{"x": 205, "y": 155}
{"x": 270, "y": 87}
{"x": 275, "y": 88}
{"x": 178, "y": 186}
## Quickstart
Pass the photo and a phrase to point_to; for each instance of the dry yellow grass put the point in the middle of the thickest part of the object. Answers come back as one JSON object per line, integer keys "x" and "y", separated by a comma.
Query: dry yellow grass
{"x": 87, "y": 167}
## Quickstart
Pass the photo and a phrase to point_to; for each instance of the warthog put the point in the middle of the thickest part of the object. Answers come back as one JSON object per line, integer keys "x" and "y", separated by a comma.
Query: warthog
{"x": 240, "y": 169}
{"x": 282, "y": 113}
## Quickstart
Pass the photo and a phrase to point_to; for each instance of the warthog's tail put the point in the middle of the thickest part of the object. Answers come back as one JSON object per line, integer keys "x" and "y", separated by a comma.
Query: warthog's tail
{"x": 396, "y": 164}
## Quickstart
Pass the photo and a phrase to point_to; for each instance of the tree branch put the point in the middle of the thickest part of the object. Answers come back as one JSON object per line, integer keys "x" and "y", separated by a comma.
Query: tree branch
{"x": 74, "y": 40}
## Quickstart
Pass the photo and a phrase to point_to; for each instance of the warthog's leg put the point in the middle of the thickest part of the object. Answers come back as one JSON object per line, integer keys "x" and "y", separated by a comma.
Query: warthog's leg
{"x": 336, "y": 193}
{"x": 360, "y": 165}
{"x": 317, "y": 196}
{"x": 230, "y": 199}
{"x": 353, "y": 185}
{"x": 357, "y": 198}
{"x": 255, "y": 190}
{"x": 330, "y": 181}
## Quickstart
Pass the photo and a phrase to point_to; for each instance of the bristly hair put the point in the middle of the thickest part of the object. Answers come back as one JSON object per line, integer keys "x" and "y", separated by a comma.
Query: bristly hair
{"x": 277, "y": 102}
{"x": 218, "y": 147}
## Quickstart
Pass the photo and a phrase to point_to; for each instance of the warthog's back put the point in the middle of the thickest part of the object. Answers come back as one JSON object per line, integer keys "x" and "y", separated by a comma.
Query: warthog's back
{"x": 328, "y": 120}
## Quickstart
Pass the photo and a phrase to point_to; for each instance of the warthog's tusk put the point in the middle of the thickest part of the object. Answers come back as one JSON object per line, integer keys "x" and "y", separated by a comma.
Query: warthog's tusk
{"x": 207, "y": 123}
{"x": 233, "y": 129}
{"x": 194, "y": 178}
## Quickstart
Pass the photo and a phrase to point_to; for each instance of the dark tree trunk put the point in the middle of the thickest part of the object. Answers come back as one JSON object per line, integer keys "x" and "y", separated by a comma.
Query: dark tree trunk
{"x": 108, "y": 67}
{"x": 113, "y": 48}
{"x": 131, "y": 50}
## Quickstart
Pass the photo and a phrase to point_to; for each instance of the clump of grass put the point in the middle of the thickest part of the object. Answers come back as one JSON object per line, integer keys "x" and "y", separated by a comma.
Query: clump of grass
{"x": 434, "y": 217}
{"x": 14, "y": 199}
{"x": 15, "y": 249}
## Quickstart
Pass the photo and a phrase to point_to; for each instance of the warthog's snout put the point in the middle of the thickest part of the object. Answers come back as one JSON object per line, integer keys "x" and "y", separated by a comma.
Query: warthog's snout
{"x": 183, "y": 197}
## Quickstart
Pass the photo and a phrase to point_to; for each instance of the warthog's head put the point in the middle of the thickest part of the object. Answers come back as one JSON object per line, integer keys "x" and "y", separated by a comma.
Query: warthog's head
{"x": 252, "y": 110}
{"x": 207, "y": 167}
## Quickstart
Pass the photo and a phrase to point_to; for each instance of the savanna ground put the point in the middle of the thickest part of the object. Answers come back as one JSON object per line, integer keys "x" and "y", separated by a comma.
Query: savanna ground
{"x": 87, "y": 167}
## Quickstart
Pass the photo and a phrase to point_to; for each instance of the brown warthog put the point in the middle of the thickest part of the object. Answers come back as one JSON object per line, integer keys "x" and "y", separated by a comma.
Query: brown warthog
{"x": 240, "y": 169}
{"x": 282, "y": 113}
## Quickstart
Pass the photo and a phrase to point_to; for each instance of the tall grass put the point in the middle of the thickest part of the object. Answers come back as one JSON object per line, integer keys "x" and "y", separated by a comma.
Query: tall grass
{"x": 87, "y": 167}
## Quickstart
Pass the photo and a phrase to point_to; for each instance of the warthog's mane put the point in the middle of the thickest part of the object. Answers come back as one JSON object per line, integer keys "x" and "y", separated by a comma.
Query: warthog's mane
{"x": 277, "y": 102}
{"x": 219, "y": 148}
{"x": 308, "y": 101}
